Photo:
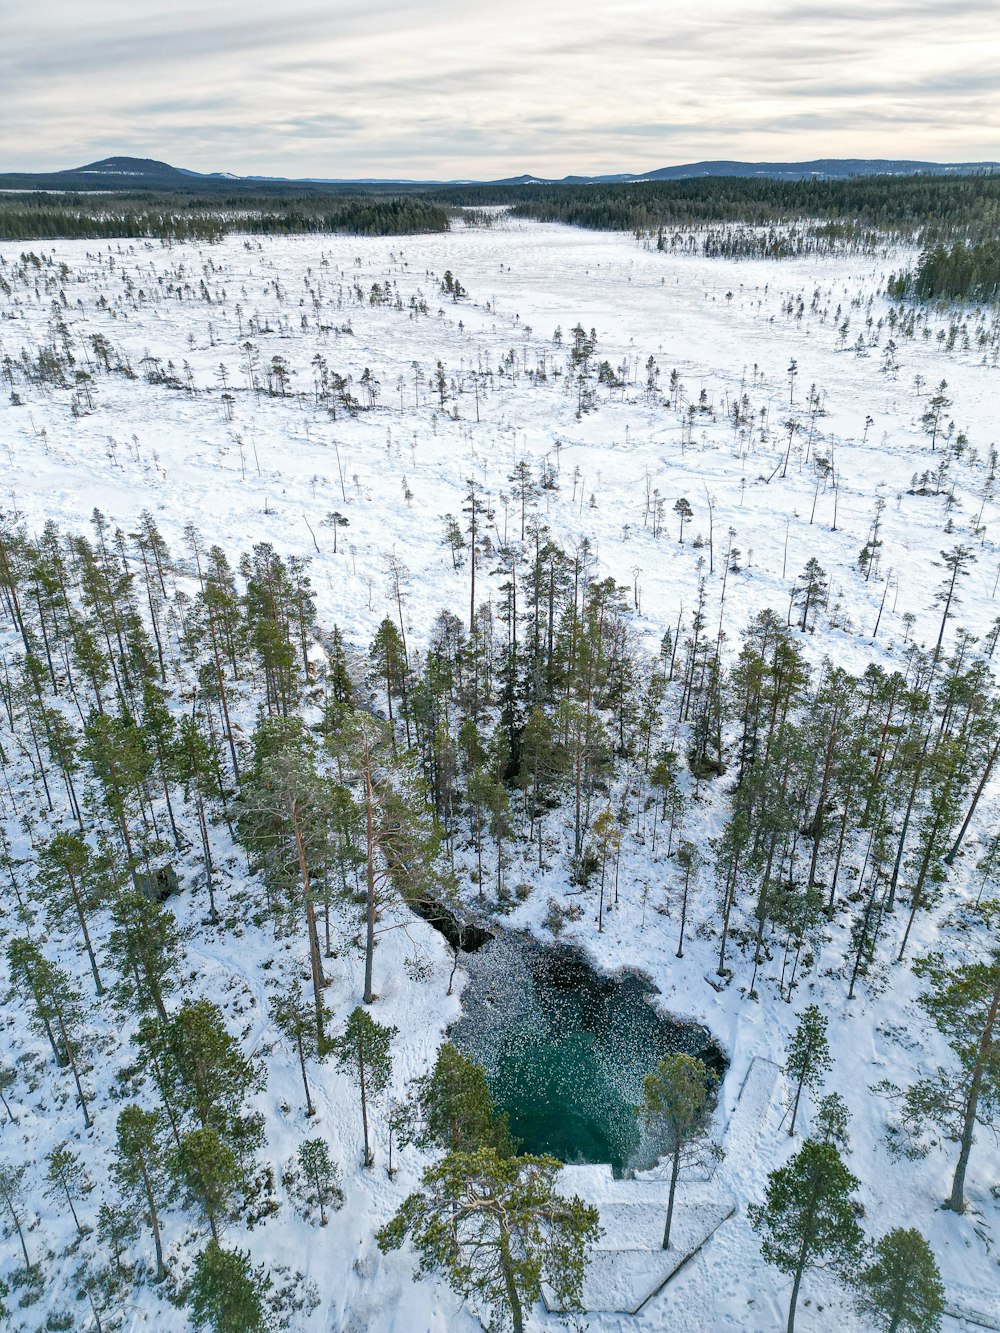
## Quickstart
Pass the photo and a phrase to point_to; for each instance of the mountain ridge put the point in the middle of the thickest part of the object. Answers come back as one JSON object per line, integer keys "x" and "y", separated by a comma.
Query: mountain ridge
{"x": 124, "y": 172}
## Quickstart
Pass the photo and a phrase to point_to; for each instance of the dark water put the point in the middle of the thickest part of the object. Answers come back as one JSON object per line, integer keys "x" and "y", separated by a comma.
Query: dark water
{"x": 566, "y": 1048}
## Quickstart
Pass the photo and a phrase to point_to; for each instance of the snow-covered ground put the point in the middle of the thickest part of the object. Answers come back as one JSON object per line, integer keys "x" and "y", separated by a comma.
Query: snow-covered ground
{"x": 280, "y": 465}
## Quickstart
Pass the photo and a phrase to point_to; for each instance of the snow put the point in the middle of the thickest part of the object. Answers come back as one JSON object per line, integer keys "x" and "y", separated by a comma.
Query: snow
{"x": 272, "y": 473}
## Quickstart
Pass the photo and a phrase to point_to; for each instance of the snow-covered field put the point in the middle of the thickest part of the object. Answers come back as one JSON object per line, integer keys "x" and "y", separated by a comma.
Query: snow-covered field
{"x": 253, "y": 467}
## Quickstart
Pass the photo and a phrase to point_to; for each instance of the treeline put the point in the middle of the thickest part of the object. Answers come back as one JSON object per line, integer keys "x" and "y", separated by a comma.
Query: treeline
{"x": 771, "y": 242}
{"x": 176, "y": 216}
{"x": 963, "y": 272}
{"x": 900, "y": 206}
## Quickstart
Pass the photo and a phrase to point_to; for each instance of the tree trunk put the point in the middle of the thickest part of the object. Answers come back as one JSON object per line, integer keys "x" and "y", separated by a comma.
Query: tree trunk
{"x": 207, "y": 854}
{"x": 20, "y": 1236}
{"x": 956, "y": 1200}
{"x": 86, "y": 933}
{"x": 67, "y": 1046}
{"x": 316, "y": 966}
{"x": 675, "y": 1167}
{"x": 795, "y": 1105}
{"x": 369, "y": 1157}
{"x": 310, "y": 1110}
{"x": 790, "y": 1326}
{"x": 513, "y": 1295}
{"x": 369, "y": 995}
{"x": 994, "y": 753}
{"x": 160, "y": 1270}
{"x": 69, "y": 1200}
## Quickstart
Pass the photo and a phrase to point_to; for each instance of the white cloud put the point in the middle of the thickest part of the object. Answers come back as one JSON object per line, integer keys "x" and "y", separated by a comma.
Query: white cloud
{"x": 440, "y": 88}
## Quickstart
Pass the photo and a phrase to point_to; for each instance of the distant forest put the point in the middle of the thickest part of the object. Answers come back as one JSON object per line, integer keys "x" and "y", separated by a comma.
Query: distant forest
{"x": 179, "y": 216}
{"x": 963, "y": 272}
{"x": 942, "y": 207}
{"x": 956, "y": 218}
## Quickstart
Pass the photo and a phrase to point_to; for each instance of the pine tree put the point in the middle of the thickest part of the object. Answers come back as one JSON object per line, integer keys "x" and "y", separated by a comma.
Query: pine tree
{"x": 363, "y": 1048}
{"x": 193, "y": 762}
{"x": 608, "y": 836}
{"x": 139, "y": 1169}
{"x": 12, "y": 1206}
{"x": 496, "y": 1229}
{"x": 963, "y": 1001}
{"x": 66, "y": 1179}
{"x": 955, "y": 562}
{"x": 900, "y": 1290}
{"x": 399, "y": 843}
{"x": 117, "y": 1228}
{"x": 285, "y": 823}
{"x": 676, "y": 1109}
{"x": 145, "y": 946}
{"x": 292, "y": 1018}
{"x": 206, "y": 1169}
{"x": 226, "y": 1294}
{"x": 8, "y": 1077}
{"x": 831, "y": 1121}
{"x": 55, "y": 1007}
{"x": 808, "y": 1055}
{"x": 208, "y": 1075}
{"x": 543, "y": 762}
{"x": 450, "y": 1108}
{"x": 64, "y": 863}
{"x": 683, "y": 510}
{"x": 313, "y": 1180}
{"x": 808, "y": 1217}
{"x": 120, "y": 758}
{"x": 810, "y": 590}
{"x": 688, "y": 860}
{"x": 937, "y": 406}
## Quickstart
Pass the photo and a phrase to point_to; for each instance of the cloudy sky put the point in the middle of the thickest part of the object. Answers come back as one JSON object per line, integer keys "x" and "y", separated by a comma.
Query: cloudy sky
{"x": 449, "y": 88}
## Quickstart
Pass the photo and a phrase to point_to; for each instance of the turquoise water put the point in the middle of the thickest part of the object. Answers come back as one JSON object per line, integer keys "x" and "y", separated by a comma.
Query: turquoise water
{"x": 566, "y": 1048}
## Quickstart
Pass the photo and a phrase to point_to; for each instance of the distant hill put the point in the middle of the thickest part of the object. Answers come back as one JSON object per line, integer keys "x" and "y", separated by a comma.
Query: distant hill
{"x": 118, "y": 173}
{"x": 824, "y": 168}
